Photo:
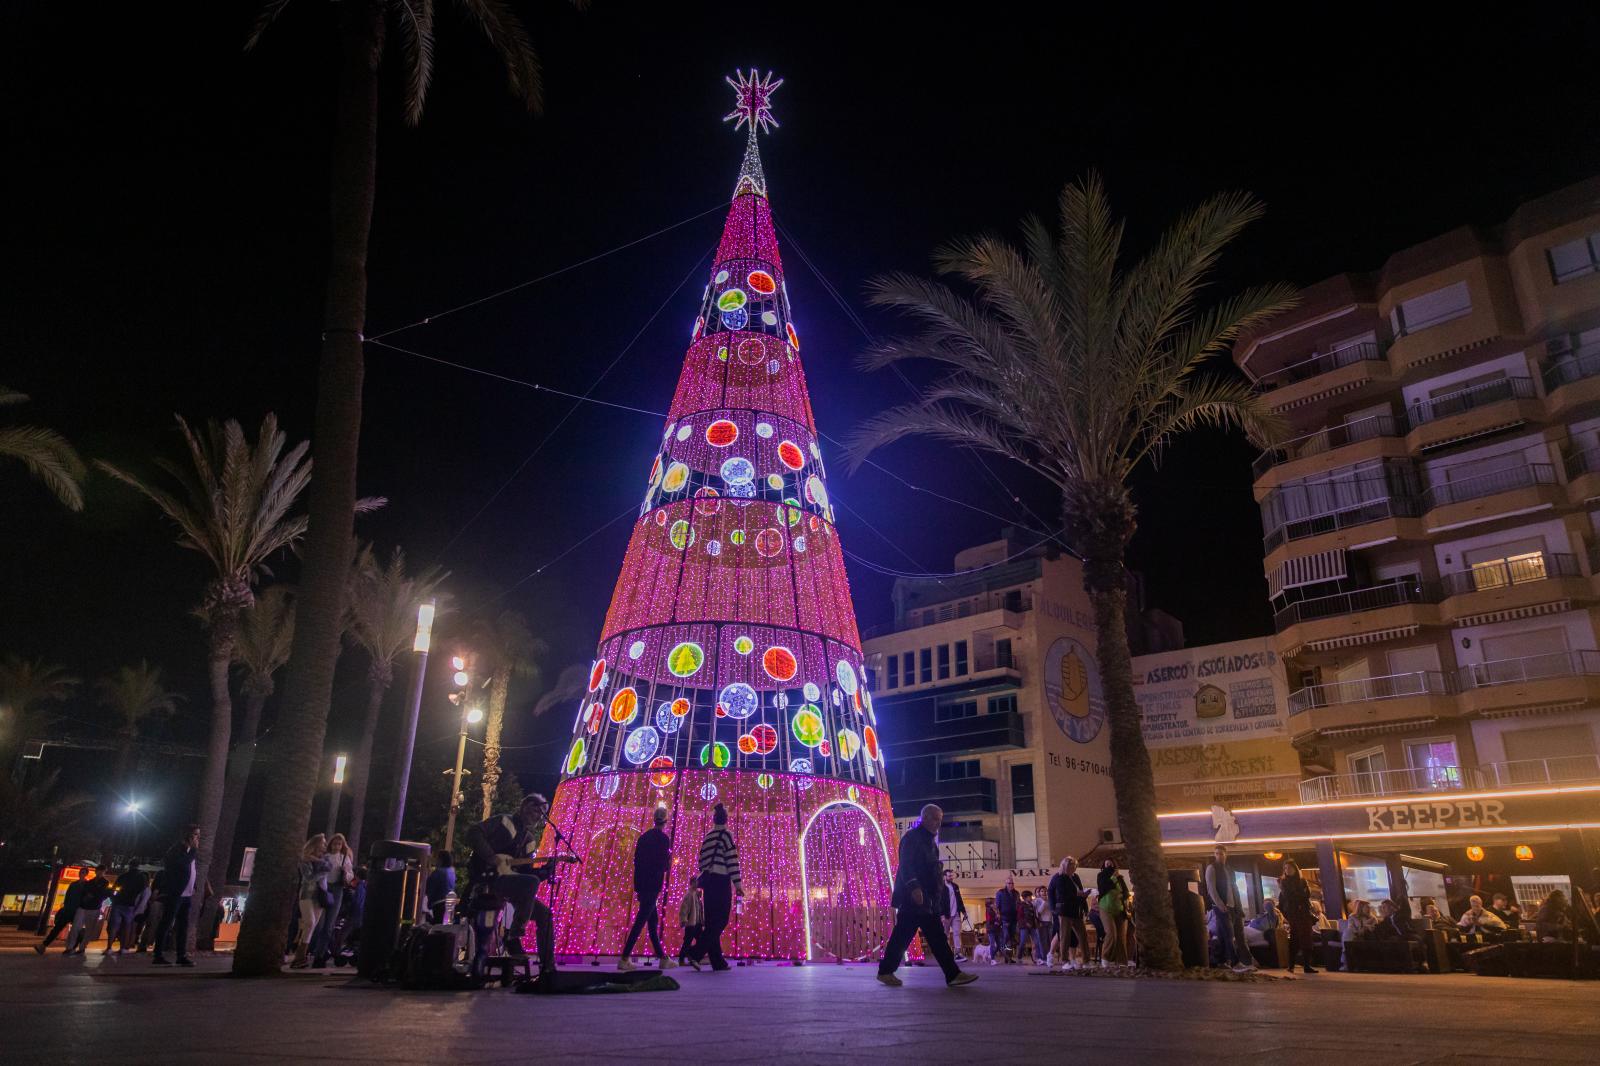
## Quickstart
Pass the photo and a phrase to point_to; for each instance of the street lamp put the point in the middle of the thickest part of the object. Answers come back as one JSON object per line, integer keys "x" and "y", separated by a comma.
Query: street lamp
{"x": 132, "y": 807}
{"x": 470, "y": 716}
{"x": 339, "y": 762}
{"x": 408, "y": 741}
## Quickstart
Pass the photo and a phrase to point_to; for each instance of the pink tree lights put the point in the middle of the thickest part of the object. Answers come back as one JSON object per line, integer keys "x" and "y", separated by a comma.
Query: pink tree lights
{"x": 729, "y": 668}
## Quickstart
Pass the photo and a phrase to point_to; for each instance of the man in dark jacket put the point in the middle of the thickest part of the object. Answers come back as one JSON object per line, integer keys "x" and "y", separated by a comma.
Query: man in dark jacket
{"x": 497, "y": 844}
{"x": 176, "y": 887}
{"x": 955, "y": 910}
{"x": 70, "y": 900}
{"x": 918, "y": 888}
{"x": 130, "y": 886}
{"x": 652, "y": 858}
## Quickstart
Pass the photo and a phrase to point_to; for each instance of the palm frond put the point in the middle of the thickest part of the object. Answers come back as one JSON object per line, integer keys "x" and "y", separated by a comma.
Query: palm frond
{"x": 10, "y": 396}
{"x": 1207, "y": 401}
{"x": 49, "y": 458}
{"x": 509, "y": 38}
{"x": 415, "y": 19}
{"x": 940, "y": 421}
{"x": 265, "y": 17}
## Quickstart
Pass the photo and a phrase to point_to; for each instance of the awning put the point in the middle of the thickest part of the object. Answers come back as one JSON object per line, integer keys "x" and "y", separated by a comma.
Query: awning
{"x": 1307, "y": 570}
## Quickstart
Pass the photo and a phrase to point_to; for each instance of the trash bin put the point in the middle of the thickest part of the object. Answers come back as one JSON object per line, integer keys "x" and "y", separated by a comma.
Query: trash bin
{"x": 1189, "y": 914}
{"x": 395, "y": 872}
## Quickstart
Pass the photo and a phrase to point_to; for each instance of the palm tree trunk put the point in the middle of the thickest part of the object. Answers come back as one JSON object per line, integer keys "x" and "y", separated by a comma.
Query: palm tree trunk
{"x": 233, "y": 786}
{"x": 361, "y": 771}
{"x": 499, "y": 689}
{"x": 1131, "y": 777}
{"x": 223, "y": 627}
{"x": 308, "y": 690}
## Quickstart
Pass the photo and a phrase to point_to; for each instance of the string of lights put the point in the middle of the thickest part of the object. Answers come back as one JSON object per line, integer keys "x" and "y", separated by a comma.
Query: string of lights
{"x": 428, "y": 319}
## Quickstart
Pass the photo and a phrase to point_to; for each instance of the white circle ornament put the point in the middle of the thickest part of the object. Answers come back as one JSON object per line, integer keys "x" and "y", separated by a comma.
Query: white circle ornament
{"x": 740, "y": 700}
{"x": 642, "y": 745}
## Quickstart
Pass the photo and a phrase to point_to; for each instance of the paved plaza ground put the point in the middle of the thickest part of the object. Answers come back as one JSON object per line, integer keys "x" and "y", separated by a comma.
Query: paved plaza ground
{"x": 62, "y": 1010}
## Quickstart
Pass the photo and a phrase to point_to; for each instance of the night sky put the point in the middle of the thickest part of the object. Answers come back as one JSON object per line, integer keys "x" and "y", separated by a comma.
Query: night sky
{"x": 164, "y": 252}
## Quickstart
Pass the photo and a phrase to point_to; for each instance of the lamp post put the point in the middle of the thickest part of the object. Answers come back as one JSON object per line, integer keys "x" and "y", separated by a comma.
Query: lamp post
{"x": 339, "y": 762}
{"x": 408, "y": 741}
{"x": 468, "y": 718}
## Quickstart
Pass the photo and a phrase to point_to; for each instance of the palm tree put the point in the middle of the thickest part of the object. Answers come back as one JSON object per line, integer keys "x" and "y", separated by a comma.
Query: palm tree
{"x": 259, "y": 651}
{"x": 503, "y": 648}
{"x": 383, "y": 622}
{"x": 24, "y": 685}
{"x": 364, "y": 26}
{"x": 38, "y": 817}
{"x": 45, "y": 453}
{"x": 135, "y": 695}
{"x": 231, "y": 503}
{"x": 1080, "y": 370}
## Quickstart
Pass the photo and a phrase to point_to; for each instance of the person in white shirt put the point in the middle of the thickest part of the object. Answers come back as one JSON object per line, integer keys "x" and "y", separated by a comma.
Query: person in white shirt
{"x": 955, "y": 912}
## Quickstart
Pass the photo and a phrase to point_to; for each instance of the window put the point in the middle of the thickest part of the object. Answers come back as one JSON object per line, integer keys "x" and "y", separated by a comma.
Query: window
{"x": 944, "y": 661}
{"x": 949, "y": 712}
{"x": 926, "y": 658}
{"x": 958, "y": 769}
{"x": 1006, "y": 704}
{"x": 1431, "y": 309}
{"x": 1022, "y": 788}
{"x": 1368, "y": 768}
{"x": 872, "y": 679}
{"x": 1434, "y": 763}
{"x": 1510, "y": 570}
{"x": 1575, "y": 259}
{"x": 1002, "y": 653}
{"x": 961, "y": 658}
{"x": 894, "y": 671}
{"x": 907, "y": 669}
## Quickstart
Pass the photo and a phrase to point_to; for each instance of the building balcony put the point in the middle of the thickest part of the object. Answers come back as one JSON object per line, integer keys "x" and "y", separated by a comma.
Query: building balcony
{"x": 1512, "y": 491}
{"x": 958, "y": 796}
{"x": 1521, "y": 773}
{"x": 1583, "y": 475}
{"x": 1408, "y": 781}
{"x": 1370, "y": 700}
{"x": 1513, "y": 585}
{"x": 1325, "y": 449}
{"x": 1432, "y": 780}
{"x": 1344, "y": 371}
{"x": 1475, "y": 411}
{"x": 1391, "y": 605}
{"x": 1382, "y": 509}
{"x": 1555, "y": 679}
{"x": 1572, "y": 381}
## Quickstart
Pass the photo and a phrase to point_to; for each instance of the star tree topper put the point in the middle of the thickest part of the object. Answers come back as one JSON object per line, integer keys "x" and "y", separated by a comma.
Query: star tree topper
{"x": 753, "y": 100}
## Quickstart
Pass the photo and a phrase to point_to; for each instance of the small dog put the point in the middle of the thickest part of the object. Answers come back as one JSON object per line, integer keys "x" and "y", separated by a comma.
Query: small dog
{"x": 980, "y": 953}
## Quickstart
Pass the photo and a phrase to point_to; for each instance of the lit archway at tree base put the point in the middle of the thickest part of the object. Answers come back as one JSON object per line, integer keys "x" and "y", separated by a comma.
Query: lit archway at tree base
{"x": 769, "y": 814}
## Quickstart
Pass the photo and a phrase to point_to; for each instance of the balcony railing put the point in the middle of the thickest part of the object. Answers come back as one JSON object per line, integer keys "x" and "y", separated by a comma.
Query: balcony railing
{"x": 1390, "y": 594}
{"x": 1357, "y": 514}
{"x": 1406, "y": 781}
{"x": 1506, "y": 572}
{"x": 1471, "y": 397}
{"x": 1579, "y": 463}
{"x": 1322, "y": 364}
{"x": 1564, "y": 769}
{"x": 1572, "y": 366}
{"x": 1361, "y": 690}
{"x": 1326, "y": 440}
{"x": 1476, "y": 488}
{"x": 1529, "y": 668}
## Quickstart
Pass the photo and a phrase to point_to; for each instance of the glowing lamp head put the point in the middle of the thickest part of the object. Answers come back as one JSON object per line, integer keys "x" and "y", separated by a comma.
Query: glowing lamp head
{"x": 1475, "y": 853}
{"x": 474, "y": 715}
{"x": 1524, "y": 853}
{"x": 461, "y": 677}
{"x": 338, "y": 768}
{"x": 1272, "y": 856}
{"x": 424, "y": 627}
{"x": 132, "y": 807}
{"x": 458, "y": 663}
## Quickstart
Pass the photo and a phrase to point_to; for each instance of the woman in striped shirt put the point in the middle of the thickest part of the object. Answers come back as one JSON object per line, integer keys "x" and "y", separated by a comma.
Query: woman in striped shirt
{"x": 719, "y": 878}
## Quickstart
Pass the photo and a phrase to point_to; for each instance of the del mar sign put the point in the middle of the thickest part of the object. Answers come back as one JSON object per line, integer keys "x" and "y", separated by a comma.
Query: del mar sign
{"x": 1462, "y": 814}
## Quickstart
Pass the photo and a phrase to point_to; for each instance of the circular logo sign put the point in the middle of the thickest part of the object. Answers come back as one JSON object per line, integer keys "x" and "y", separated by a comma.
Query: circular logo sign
{"x": 1072, "y": 689}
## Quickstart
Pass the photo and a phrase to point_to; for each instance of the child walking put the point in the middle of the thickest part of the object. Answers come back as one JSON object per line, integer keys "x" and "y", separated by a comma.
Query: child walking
{"x": 692, "y": 916}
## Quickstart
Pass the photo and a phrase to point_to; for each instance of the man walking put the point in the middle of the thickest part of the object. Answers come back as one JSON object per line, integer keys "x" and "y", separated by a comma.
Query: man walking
{"x": 176, "y": 887}
{"x": 917, "y": 884}
{"x": 1006, "y": 902}
{"x": 1226, "y": 912}
{"x": 955, "y": 911}
{"x": 719, "y": 879}
{"x": 130, "y": 887}
{"x": 70, "y": 900}
{"x": 652, "y": 858}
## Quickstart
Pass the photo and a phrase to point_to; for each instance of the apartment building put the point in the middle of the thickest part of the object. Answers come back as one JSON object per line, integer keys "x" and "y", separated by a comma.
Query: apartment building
{"x": 988, "y": 687}
{"x": 1431, "y": 526}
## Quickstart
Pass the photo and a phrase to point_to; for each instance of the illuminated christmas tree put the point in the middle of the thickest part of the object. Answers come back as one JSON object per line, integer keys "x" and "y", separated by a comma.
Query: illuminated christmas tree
{"x": 729, "y": 669}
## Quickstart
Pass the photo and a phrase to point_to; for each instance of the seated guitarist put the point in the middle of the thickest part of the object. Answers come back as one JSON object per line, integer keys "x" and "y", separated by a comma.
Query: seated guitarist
{"x": 501, "y": 847}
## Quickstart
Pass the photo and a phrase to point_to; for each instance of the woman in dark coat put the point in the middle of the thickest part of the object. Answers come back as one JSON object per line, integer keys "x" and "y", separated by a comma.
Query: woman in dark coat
{"x": 1294, "y": 900}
